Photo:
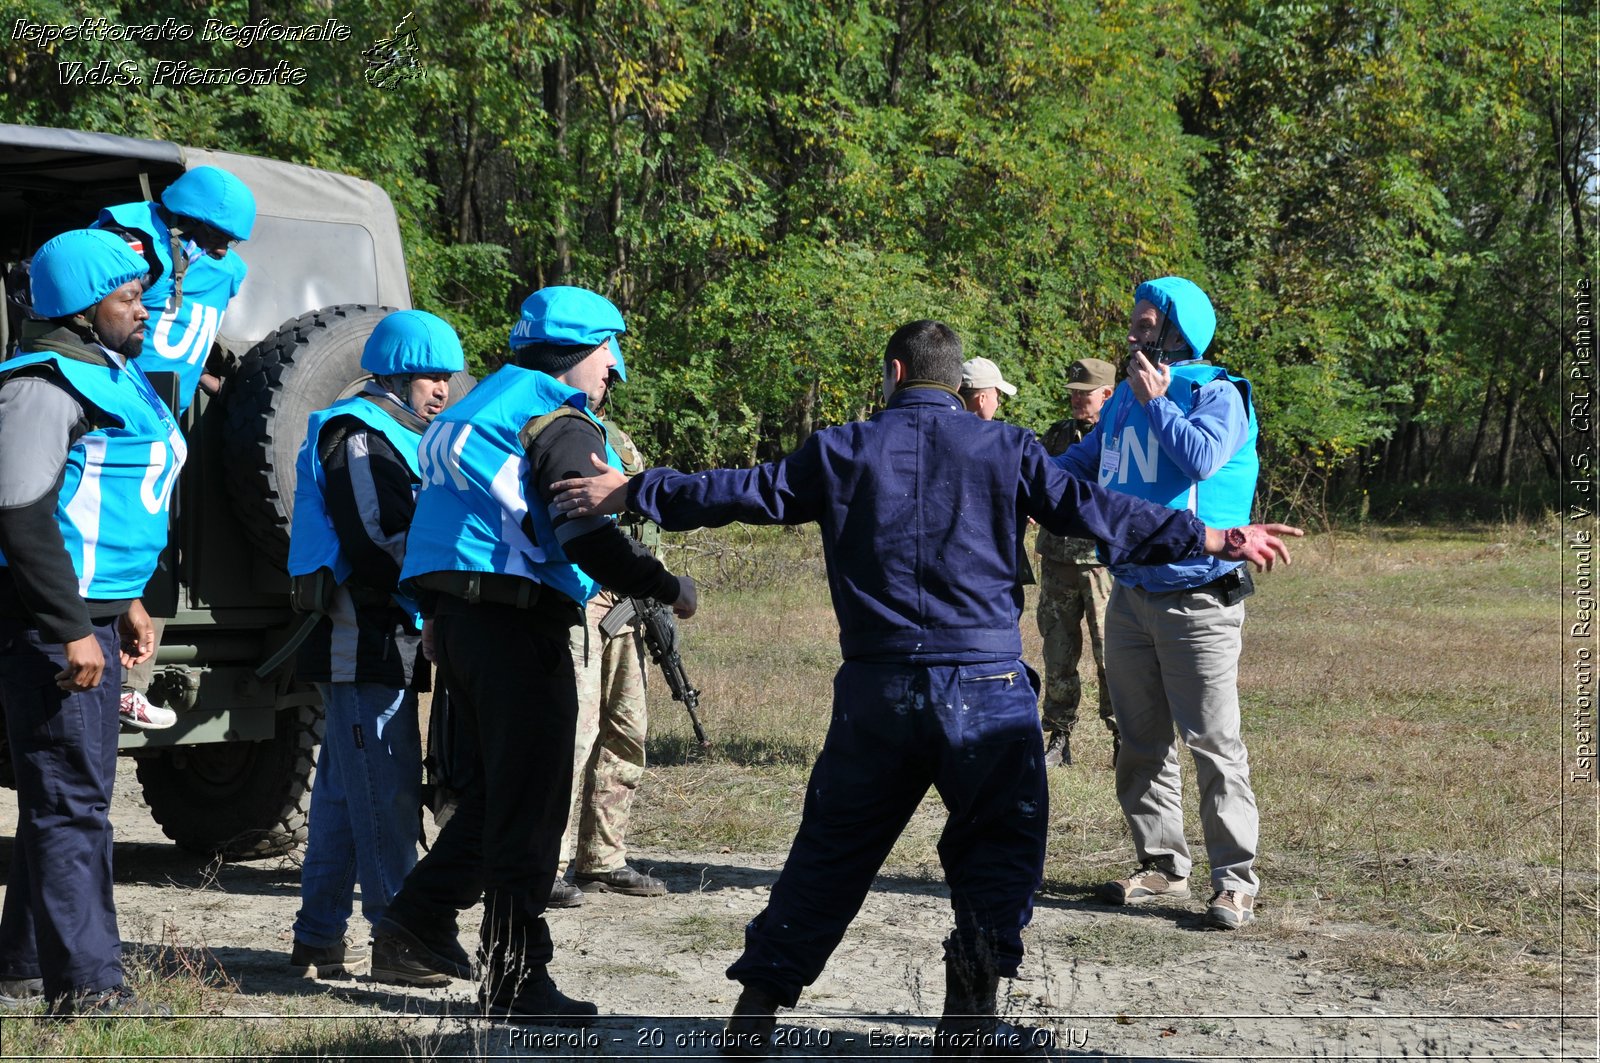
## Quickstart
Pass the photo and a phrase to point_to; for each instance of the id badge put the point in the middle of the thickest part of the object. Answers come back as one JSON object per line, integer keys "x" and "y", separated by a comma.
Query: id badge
{"x": 1110, "y": 461}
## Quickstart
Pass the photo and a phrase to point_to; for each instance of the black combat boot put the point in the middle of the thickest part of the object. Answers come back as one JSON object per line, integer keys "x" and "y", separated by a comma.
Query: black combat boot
{"x": 970, "y": 1028}
{"x": 751, "y": 1026}
{"x": 527, "y": 996}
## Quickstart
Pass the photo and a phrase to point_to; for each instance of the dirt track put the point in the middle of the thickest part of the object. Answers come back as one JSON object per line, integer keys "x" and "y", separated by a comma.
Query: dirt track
{"x": 655, "y": 968}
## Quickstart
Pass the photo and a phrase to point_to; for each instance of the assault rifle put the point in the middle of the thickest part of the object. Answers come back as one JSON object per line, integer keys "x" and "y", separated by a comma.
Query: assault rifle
{"x": 661, "y": 640}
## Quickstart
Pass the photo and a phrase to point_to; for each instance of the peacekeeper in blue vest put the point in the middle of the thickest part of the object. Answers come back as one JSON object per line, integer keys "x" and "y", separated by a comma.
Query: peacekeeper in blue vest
{"x": 505, "y": 577}
{"x": 355, "y": 493}
{"x": 922, "y": 509}
{"x": 88, "y": 457}
{"x": 193, "y": 275}
{"x": 1182, "y": 433}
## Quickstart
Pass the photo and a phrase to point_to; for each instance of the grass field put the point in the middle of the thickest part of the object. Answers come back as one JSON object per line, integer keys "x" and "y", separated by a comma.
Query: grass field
{"x": 1400, "y": 691}
{"x": 1401, "y": 705}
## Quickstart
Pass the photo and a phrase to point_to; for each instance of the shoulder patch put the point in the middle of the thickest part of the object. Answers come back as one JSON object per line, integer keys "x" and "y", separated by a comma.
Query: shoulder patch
{"x": 534, "y": 427}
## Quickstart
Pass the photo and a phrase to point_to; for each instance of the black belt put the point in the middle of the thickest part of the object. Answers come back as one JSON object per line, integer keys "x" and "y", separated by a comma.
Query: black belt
{"x": 1233, "y": 586}
{"x": 489, "y": 588}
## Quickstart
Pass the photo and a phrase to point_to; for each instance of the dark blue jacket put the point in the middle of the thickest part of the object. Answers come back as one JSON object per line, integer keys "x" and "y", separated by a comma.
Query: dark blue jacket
{"x": 922, "y": 509}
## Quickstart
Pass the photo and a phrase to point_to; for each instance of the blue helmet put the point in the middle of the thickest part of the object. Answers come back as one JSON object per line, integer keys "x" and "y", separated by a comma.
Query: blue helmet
{"x": 412, "y": 341}
{"x": 215, "y": 197}
{"x": 79, "y": 268}
{"x": 564, "y": 316}
{"x": 1186, "y": 306}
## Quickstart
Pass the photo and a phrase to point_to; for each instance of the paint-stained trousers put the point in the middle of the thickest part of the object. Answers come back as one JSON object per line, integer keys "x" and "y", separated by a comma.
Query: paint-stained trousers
{"x": 59, "y": 922}
{"x": 971, "y": 732}
{"x": 1173, "y": 662}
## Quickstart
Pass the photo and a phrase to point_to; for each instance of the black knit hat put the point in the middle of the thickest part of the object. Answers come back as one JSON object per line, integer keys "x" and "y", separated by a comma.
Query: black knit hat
{"x": 551, "y": 358}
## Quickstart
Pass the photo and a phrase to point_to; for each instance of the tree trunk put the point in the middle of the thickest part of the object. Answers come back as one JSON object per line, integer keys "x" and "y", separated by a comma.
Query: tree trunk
{"x": 469, "y": 178}
{"x": 1478, "y": 437}
{"x": 1508, "y": 438}
{"x": 556, "y": 91}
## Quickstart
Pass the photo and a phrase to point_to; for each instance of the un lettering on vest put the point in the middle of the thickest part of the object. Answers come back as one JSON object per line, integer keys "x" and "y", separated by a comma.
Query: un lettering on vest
{"x": 197, "y": 328}
{"x": 166, "y": 459}
{"x": 440, "y": 461}
{"x": 439, "y": 454}
{"x": 1115, "y": 463}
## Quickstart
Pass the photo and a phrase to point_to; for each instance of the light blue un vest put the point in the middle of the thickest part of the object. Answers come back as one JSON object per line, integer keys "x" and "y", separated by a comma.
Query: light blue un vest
{"x": 1131, "y": 461}
{"x": 313, "y": 543}
{"x": 112, "y": 507}
{"x": 177, "y": 339}
{"x": 472, "y": 514}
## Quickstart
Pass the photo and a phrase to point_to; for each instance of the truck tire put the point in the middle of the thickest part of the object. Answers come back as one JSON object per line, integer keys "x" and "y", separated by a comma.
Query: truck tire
{"x": 306, "y": 365}
{"x": 241, "y": 799}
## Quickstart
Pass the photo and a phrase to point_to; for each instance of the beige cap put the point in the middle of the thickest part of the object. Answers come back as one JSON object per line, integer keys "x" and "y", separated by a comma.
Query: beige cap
{"x": 982, "y": 373}
{"x": 1086, "y": 374}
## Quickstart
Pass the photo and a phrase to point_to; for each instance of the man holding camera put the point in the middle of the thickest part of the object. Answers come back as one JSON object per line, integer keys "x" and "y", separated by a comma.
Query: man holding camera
{"x": 1181, "y": 433}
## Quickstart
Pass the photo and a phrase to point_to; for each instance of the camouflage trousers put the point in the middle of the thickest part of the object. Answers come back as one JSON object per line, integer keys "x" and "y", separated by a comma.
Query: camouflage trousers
{"x": 1071, "y": 597}
{"x": 608, "y": 758}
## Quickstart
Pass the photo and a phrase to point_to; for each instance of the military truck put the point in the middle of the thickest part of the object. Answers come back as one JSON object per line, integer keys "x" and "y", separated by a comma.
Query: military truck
{"x": 325, "y": 265}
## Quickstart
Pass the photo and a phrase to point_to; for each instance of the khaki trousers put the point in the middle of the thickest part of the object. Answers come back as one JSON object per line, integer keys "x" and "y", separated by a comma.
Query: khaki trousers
{"x": 1173, "y": 662}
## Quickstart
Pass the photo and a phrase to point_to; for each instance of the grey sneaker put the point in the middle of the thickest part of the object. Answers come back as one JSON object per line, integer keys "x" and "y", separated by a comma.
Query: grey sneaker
{"x": 333, "y": 961}
{"x": 1145, "y": 884}
{"x": 17, "y": 991}
{"x": 1230, "y": 909}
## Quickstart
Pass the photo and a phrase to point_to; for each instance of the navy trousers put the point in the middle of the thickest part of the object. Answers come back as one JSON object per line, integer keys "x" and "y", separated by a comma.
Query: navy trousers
{"x": 972, "y": 732}
{"x": 58, "y": 922}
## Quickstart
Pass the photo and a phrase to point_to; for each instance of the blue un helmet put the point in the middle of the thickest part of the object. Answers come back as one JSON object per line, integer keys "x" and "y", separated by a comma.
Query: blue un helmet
{"x": 412, "y": 341}
{"x": 1185, "y": 306}
{"x": 215, "y": 197}
{"x": 561, "y": 324}
{"x": 79, "y": 268}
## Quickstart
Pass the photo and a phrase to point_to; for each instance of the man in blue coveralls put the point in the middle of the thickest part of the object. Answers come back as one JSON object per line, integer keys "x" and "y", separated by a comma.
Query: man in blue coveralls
{"x": 1180, "y": 433}
{"x": 185, "y": 240}
{"x": 88, "y": 457}
{"x": 922, "y": 509}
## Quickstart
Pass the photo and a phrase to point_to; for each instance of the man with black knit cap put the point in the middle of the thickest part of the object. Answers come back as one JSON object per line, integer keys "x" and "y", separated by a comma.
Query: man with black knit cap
{"x": 505, "y": 578}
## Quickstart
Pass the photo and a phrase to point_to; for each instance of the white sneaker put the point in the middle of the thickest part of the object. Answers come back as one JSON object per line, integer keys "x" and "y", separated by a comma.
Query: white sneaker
{"x": 137, "y": 712}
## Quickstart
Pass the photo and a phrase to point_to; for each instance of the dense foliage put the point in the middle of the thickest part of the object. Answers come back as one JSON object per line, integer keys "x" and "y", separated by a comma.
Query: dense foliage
{"x": 1379, "y": 197}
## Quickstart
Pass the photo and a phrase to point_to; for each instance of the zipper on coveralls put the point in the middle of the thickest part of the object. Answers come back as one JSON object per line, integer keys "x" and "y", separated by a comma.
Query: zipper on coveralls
{"x": 1009, "y": 677}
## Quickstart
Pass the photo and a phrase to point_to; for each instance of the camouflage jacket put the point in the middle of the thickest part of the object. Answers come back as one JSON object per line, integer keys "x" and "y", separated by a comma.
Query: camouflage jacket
{"x": 1057, "y": 548}
{"x": 647, "y": 532}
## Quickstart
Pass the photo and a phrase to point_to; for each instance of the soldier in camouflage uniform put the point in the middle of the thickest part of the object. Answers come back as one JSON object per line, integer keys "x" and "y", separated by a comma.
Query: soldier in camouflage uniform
{"x": 609, "y": 755}
{"x": 1073, "y": 585}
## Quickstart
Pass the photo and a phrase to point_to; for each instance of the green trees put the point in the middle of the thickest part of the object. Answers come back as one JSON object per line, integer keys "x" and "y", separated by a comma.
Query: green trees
{"x": 1372, "y": 193}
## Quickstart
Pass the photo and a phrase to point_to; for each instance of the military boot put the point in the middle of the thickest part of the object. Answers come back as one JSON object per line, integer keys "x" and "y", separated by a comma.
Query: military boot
{"x": 1058, "y": 749}
{"x": 527, "y": 996}
{"x": 970, "y": 1028}
{"x": 751, "y": 1026}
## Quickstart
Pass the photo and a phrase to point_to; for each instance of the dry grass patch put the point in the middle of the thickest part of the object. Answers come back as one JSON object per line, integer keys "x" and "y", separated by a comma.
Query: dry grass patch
{"x": 1401, "y": 694}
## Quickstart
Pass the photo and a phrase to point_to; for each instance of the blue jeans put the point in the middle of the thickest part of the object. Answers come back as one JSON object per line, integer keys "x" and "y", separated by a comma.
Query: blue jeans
{"x": 364, "y": 808}
{"x": 972, "y": 732}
